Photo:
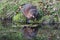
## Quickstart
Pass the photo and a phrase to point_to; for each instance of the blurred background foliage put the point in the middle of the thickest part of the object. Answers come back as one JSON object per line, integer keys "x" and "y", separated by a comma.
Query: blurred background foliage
{"x": 49, "y": 11}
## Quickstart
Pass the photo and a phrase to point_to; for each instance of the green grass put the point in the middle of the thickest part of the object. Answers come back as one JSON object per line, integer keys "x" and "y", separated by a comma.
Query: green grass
{"x": 13, "y": 32}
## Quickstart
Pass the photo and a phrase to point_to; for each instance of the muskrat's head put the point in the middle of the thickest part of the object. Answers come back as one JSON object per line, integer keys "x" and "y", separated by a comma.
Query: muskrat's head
{"x": 29, "y": 11}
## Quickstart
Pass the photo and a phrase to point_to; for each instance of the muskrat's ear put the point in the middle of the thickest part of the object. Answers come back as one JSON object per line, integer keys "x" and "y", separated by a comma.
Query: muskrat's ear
{"x": 20, "y": 7}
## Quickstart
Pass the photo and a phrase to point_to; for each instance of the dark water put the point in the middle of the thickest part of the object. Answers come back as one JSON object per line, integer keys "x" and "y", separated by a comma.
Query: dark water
{"x": 30, "y": 32}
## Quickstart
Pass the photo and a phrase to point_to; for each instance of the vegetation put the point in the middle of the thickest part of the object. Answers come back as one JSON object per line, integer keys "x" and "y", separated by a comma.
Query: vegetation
{"x": 12, "y": 20}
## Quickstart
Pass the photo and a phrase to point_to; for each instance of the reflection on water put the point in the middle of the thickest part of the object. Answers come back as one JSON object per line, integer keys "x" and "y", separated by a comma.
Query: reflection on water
{"x": 29, "y": 32}
{"x": 42, "y": 29}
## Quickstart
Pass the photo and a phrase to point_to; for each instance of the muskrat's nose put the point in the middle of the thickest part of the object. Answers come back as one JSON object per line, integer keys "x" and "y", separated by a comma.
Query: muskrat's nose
{"x": 33, "y": 16}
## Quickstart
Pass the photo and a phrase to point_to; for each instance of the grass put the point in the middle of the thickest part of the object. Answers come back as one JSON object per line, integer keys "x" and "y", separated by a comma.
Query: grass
{"x": 45, "y": 32}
